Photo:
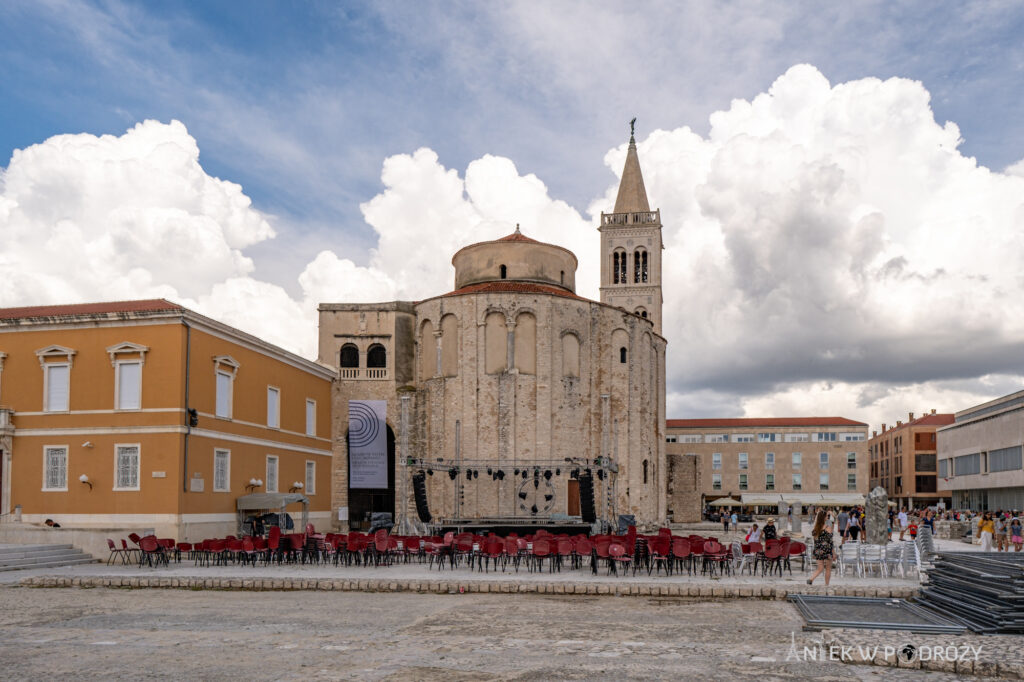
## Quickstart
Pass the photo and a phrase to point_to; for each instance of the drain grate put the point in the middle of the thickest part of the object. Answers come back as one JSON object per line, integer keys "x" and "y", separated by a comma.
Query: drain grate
{"x": 870, "y": 613}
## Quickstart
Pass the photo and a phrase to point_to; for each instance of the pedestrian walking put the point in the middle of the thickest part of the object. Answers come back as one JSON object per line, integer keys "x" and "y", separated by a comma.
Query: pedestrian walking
{"x": 853, "y": 529}
{"x": 824, "y": 548}
{"x": 1000, "y": 528}
{"x": 903, "y": 521}
{"x": 725, "y": 522}
{"x": 986, "y": 528}
{"x": 1015, "y": 534}
{"x": 842, "y": 522}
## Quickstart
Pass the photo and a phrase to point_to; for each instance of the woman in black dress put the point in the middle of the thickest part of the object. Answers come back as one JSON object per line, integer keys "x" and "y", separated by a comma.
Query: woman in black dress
{"x": 824, "y": 549}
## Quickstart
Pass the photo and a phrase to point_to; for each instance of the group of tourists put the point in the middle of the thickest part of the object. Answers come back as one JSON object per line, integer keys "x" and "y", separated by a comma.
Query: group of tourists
{"x": 1001, "y": 529}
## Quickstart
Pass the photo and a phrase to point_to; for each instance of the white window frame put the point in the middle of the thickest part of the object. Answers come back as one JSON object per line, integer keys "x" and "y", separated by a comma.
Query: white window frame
{"x": 743, "y": 438}
{"x": 716, "y": 479}
{"x": 716, "y": 438}
{"x": 274, "y": 418}
{"x": 226, "y": 488}
{"x": 46, "y": 449}
{"x": 796, "y": 438}
{"x": 848, "y": 485}
{"x": 691, "y": 438}
{"x": 310, "y": 423}
{"x": 823, "y": 482}
{"x": 798, "y": 485}
{"x": 138, "y": 466}
{"x": 769, "y": 481}
{"x": 310, "y": 482}
{"x": 797, "y": 460}
{"x": 713, "y": 464}
{"x": 823, "y": 459}
{"x": 851, "y": 463}
{"x": 743, "y": 482}
{"x": 46, "y": 387}
{"x": 743, "y": 461}
{"x": 767, "y": 437}
{"x": 769, "y": 461}
{"x": 117, "y": 385}
{"x": 277, "y": 474}
{"x": 228, "y": 366}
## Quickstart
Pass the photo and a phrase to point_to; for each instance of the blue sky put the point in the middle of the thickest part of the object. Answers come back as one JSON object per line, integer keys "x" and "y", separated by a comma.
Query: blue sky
{"x": 305, "y": 105}
{"x": 301, "y": 102}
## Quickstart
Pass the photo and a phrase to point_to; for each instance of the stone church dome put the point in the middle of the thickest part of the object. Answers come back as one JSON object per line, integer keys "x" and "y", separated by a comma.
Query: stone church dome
{"x": 515, "y": 258}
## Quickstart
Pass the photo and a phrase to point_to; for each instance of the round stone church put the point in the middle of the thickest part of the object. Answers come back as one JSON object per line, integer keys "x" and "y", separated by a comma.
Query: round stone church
{"x": 510, "y": 398}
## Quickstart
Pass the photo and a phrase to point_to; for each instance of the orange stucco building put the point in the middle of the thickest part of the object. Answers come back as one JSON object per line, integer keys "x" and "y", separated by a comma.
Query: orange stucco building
{"x": 96, "y": 430}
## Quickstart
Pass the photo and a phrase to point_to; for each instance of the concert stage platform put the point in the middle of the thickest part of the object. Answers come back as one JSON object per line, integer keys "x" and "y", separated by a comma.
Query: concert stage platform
{"x": 504, "y": 526}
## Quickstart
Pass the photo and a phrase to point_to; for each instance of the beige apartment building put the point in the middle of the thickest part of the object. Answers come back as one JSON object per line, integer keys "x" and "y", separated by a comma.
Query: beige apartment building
{"x": 763, "y": 462}
{"x": 902, "y": 459}
{"x": 980, "y": 463}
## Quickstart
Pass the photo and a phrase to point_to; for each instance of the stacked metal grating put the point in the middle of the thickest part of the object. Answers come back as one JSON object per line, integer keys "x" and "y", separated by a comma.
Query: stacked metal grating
{"x": 983, "y": 590}
{"x": 820, "y": 611}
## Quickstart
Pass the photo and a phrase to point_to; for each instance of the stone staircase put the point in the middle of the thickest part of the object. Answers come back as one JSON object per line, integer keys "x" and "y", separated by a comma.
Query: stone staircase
{"x": 17, "y": 557}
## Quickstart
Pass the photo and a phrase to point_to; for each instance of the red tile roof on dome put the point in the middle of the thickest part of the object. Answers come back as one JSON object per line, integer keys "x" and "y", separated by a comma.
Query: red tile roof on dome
{"x": 514, "y": 287}
{"x": 146, "y": 305}
{"x": 760, "y": 421}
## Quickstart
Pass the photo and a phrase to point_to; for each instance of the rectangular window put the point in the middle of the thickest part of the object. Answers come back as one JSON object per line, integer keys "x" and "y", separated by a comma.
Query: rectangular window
{"x": 716, "y": 438}
{"x": 1003, "y": 459}
{"x": 965, "y": 465}
{"x": 126, "y": 467}
{"x": 927, "y": 463}
{"x": 57, "y": 379}
{"x": 766, "y": 437}
{"x": 221, "y": 471}
{"x": 271, "y": 480}
{"x": 743, "y": 460}
{"x": 716, "y": 460}
{"x": 797, "y": 459}
{"x": 55, "y": 467}
{"x": 798, "y": 481}
{"x": 823, "y": 481}
{"x": 823, "y": 460}
{"x": 769, "y": 481}
{"x": 668, "y": 439}
{"x": 224, "y": 384}
{"x": 691, "y": 438}
{"x": 851, "y": 436}
{"x": 825, "y": 437}
{"x": 796, "y": 438}
{"x": 769, "y": 460}
{"x": 851, "y": 460}
{"x": 129, "y": 385}
{"x": 273, "y": 407}
{"x": 743, "y": 481}
{"x": 743, "y": 438}
{"x": 311, "y": 418}
{"x": 310, "y": 477}
{"x": 716, "y": 481}
{"x": 944, "y": 468}
{"x": 851, "y": 481}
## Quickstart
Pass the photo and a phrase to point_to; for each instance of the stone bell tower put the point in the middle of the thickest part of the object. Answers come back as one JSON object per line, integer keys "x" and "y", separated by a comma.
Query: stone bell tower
{"x": 631, "y": 246}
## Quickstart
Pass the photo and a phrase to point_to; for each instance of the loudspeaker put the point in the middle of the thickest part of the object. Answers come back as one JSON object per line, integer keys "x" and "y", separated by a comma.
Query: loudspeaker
{"x": 419, "y": 491}
{"x": 587, "y": 497}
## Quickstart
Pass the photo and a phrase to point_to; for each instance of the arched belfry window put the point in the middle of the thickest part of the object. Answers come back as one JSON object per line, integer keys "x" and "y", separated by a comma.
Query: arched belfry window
{"x": 349, "y": 355}
{"x": 622, "y": 355}
{"x": 641, "y": 312}
{"x": 376, "y": 356}
{"x": 619, "y": 259}
{"x": 639, "y": 266}
{"x": 504, "y": 272}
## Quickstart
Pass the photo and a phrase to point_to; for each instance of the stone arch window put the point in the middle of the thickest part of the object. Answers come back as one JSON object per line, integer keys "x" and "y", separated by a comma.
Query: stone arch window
{"x": 622, "y": 355}
{"x": 570, "y": 355}
{"x": 504, "y": 271}
{"x": 561, "y": 277}
{"x": 645, "y": 472}
{"x": 349, "y": 356}
{"x": 641, "y": 312}
{"x": 526, "y": 343}
{"x": 496, "y": 343}
{"x": 619, "y": 259}
{"x": 428, "y": 350}
{"x": 449, "y": 346}
{"x": 640, "y": 266}
{"x": 376, "y": 356}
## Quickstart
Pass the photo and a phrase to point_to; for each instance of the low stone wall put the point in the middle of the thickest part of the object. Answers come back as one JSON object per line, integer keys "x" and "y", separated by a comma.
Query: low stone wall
{"x": 462, "y": 586}
{"x": 90, "y": 540}
{"x": 951, "y": 530}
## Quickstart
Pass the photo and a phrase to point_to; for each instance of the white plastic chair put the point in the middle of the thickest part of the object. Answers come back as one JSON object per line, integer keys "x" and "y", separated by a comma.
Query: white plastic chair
{"x": 872, "y": 556}
{"x": 849, "y": 557}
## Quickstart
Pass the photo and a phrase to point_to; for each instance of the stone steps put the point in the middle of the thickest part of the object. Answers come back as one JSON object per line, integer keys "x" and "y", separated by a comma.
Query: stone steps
{"x": 19, "y": 557}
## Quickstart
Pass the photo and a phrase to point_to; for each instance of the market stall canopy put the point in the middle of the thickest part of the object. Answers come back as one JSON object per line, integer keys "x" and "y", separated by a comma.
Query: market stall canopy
{"x": 726, "y": 502}
{"x": 824, "y": 499}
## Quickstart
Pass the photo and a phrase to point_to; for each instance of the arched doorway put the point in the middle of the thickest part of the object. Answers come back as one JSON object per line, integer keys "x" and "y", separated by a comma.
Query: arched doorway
{"x": 363, "y": 501}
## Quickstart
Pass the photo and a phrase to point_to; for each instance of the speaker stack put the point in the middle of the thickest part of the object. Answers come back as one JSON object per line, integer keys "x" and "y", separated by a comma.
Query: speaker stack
{"x": 419, "y": 491}
{"x": 587, "y": 497}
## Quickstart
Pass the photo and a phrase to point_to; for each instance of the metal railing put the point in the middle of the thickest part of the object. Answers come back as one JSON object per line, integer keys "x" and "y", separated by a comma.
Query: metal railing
{"x": 360, "y": 373}
{"x": 635, "y": 218}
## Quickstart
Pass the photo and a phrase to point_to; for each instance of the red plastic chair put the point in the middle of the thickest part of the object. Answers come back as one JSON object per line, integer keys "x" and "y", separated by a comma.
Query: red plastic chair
{"x": 681, "y": 553}
{"x": 153, "y": 551}
{"x": 115, "y": 552}
{"x": 617, "y": 555}
{"x": 659, "y": 554}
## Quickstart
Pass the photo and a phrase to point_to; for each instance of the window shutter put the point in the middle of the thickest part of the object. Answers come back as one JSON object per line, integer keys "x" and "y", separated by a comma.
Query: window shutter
{"x": 57, "y": 388}
{"x": 129, "y": 385}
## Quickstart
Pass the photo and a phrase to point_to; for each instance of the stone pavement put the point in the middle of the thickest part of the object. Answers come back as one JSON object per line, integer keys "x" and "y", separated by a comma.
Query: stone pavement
{"x": 169, "y": 634}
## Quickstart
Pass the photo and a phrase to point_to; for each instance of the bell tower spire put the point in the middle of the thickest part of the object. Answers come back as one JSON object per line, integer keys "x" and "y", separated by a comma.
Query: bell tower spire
{"x": 631, "y": 245}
